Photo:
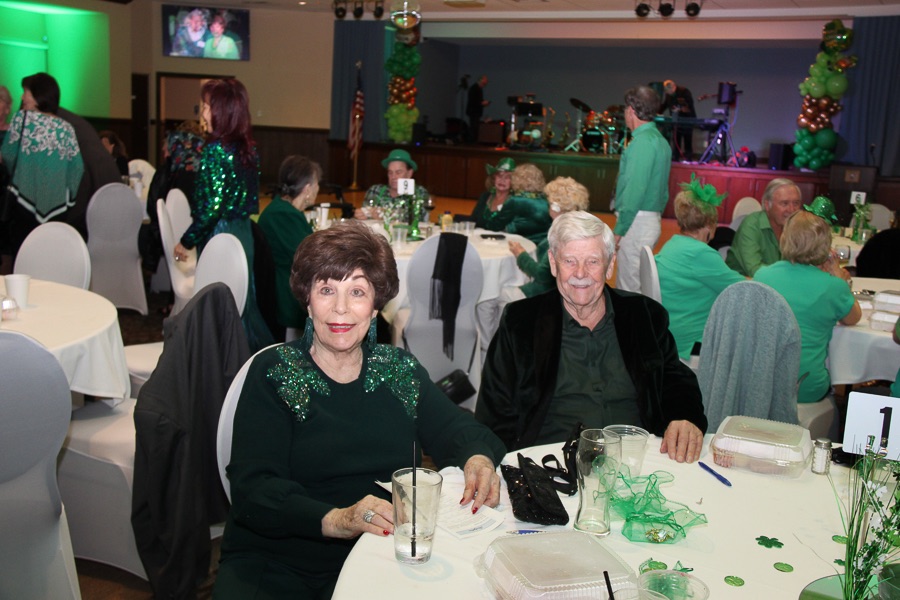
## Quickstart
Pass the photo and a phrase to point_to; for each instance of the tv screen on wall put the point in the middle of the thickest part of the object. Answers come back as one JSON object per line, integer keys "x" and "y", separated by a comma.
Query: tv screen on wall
{"x": 204, "y": 32}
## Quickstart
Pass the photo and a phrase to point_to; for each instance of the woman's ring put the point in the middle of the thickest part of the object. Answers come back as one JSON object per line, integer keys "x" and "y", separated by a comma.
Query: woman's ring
{"x": 368, "y": 515}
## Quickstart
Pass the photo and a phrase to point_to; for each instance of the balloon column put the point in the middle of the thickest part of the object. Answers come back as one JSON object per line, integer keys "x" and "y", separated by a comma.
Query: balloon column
{"x": 403, "y": 66}
{"x": 822, "y": 92}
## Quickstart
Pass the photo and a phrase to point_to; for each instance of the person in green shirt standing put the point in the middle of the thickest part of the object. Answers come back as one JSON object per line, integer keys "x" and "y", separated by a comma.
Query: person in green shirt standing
{"x": 643, "y": 186}
{"x": 756, "y": 241}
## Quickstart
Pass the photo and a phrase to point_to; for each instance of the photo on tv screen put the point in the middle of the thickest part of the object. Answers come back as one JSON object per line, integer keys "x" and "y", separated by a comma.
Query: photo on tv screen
{"x": 205, "y": 32}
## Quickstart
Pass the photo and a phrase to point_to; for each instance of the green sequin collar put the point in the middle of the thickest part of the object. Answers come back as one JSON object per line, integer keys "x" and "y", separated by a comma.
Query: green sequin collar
{"x": 296, "y": 376}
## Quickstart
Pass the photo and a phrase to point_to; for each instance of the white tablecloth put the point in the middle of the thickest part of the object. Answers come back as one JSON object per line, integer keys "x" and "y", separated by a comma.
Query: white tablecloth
{"x": 499, "y": 264}
{"x": 81, "y": 329}
{"x": 802, "y": 513}
{"x": 859, "y": 353}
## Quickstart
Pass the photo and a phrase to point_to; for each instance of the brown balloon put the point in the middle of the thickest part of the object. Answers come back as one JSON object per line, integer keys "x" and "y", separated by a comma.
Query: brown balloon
{"x": 802, "y": 122}
{"x": 814, "y": 127}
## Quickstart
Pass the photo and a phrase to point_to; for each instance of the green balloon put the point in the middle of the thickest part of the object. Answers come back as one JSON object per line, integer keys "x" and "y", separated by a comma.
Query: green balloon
{"x": 800, "y": 161}
{"x": 836, "y": 85}
{"x": 816, "y": 88}
{"x": 808, "y": 143}
{"x": 815, "y": 164}
{"x": 826, "y": 139}
{"x": 822, "y": 59}
{"x": 818, "y": 70}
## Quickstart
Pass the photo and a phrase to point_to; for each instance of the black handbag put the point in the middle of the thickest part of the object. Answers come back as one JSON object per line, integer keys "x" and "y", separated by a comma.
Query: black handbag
{"x": 532, "y": 495}
{"x": 564, "y": 477}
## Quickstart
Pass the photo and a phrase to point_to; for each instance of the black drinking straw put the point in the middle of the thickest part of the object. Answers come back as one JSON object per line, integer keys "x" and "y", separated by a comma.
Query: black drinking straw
{"x": 413, "y": 536}
{"x": 608, "y": 585}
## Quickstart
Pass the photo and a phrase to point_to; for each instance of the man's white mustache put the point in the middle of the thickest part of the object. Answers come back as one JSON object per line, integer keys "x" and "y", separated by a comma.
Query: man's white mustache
{"x": 578, "y": 281}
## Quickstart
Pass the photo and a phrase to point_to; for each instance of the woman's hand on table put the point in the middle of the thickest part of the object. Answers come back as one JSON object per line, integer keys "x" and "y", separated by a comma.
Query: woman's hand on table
{"x": 682, "y": 441}
{"x": 350, "y": 522}
{"x": 482, "y": 482}
{"x": 516, "y": 248}
{"x": 181, "y": 252}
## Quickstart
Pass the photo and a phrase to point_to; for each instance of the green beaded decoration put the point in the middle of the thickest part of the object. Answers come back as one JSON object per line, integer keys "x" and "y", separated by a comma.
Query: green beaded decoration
{"x": 389, "y": 366}
{"x": 294, "y": 377}
{"x": 769, "y": 542}
{"x": 734, "y": 580}
{"x": 658, "y": 536}
{"x": 783, "y": 567}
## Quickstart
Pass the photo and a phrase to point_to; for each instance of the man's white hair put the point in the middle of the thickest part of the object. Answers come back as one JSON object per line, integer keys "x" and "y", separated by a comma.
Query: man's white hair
{"x": 580, "y": 225}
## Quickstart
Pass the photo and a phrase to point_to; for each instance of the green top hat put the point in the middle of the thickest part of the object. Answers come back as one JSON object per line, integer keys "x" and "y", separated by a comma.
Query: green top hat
{"x": 505, "y": 165}
{"x": 822, "y": 207}
{"x": 402, "y": 156}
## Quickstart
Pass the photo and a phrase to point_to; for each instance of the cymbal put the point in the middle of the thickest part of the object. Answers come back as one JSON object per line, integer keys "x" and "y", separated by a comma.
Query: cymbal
{"x": 615, "y": 109}
{"x": 579, "y": 104}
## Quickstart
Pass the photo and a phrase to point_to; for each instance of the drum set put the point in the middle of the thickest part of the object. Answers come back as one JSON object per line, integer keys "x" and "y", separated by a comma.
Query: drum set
{"x": 599, "y": 132}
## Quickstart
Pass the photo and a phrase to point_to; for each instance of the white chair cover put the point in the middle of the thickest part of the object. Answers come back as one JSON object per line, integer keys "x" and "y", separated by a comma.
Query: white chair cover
{"x": 224, "y": 260}
{"x": 423, "y": 336}
{"x": 226, "y": 422}
{"x": 179, "y": 212}
{"x": 880, "y": 216}
{"x": 744, "y": 207}
{"x": 113, "y": 219}
{"x": 36, "y": 558}
{"x": 96, "y": 472}
{"x": 55, "y": 252}
{"x": 649, "y": 275}
{"x": 182, "y": 282}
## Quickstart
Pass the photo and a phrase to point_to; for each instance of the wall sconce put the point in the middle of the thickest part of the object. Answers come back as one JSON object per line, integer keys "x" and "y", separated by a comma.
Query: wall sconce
{"x": 405, "y": 14}
{"x": 378, "y": 10}
{"x": 358, "y": 9}
{"x": 642, "y": 9}
{"x": 340, "y": 9}
{"x": 666, "y": 9}
{"x": 693, "y": 8}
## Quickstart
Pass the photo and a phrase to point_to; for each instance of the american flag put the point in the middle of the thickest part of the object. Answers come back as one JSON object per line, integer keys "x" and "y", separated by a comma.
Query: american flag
{"x": 357, "y": 112}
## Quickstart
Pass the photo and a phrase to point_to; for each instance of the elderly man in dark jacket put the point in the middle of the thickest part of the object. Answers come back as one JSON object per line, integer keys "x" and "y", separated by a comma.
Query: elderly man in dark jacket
{"x": 587, "y": 353}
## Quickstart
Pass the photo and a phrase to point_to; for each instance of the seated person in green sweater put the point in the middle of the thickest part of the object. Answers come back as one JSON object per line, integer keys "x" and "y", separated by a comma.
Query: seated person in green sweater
{"x": 497, "y": 189}
{"x": 756, "y": 241}
{"x": 816, "y": 288}
{"x": 564, "y": 194}
{"x": 285, "y": 226}
{"x": 321, "y": 419}
{"x": 525, "y": 213}
{"x": 691, "y": 273}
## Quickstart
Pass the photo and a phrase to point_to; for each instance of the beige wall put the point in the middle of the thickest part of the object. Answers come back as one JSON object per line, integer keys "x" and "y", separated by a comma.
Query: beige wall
{"x": 288, "y": 76}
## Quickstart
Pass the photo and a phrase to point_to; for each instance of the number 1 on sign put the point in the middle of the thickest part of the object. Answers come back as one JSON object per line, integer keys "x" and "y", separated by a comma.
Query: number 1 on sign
{"x": 872, "y": 415}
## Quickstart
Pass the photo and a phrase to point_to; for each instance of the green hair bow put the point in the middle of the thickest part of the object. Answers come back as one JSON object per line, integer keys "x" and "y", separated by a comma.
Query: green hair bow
{"x": 704, "y": 193}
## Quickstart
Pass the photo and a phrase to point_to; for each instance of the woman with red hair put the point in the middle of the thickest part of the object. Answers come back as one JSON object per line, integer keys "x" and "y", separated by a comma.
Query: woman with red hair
{"x": 227, "y": 186}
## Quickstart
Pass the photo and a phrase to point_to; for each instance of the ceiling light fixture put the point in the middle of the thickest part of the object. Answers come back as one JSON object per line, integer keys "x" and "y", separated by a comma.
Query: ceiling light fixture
{"x": 340, "y": 9}
{"x": 378, "y": 11}
{"x": 666, "y": 8}
{"x": 693, "y": 8}
{"x": 642, "y": 9}
{"x": 358, "y": 9}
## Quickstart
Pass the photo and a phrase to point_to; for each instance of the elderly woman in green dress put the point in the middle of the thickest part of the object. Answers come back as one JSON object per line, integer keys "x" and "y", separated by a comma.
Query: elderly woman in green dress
{"x": 498, "y": 186}
{"x": 525, "y": 213}
{"x": 321, "y": 419}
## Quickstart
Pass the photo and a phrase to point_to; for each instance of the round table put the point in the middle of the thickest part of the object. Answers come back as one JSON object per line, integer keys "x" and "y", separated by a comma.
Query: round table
{"x": 802, "y": 513}
{"x": 81, "y": 329}
{"x": 859, "y": 353}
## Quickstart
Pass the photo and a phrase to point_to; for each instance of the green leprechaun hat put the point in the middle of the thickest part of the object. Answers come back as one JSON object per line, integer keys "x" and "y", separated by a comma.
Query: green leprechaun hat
{"x": 822, "y": 207}
{"x": 505, "y": 165}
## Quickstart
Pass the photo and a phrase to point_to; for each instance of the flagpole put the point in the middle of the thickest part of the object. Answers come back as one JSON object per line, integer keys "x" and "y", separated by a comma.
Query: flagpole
{"x": 356, "y": 125}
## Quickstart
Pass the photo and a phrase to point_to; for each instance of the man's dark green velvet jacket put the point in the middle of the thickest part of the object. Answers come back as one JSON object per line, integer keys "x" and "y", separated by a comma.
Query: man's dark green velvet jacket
{"x": 519, "y": 376}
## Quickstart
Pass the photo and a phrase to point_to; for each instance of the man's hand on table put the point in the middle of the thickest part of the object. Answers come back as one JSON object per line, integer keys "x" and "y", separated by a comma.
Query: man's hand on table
{"x": 482, "y": 482}
{"x": 682, "y": 441}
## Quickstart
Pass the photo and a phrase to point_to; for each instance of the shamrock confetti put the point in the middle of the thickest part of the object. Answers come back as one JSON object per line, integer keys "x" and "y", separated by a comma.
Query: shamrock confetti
{"x": 679, "y": 567}
{"x": 840, "y": 539}
{"x": 769, "y": 542}
{"x": 840, "y": 562}
{"x": 783, "y": 567}
{"x": 652, "y": 565}
{"x": 734, "y": 580}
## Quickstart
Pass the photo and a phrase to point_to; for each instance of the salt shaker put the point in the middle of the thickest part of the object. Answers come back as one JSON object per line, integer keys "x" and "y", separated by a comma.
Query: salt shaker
{"x": 821, "y": 461}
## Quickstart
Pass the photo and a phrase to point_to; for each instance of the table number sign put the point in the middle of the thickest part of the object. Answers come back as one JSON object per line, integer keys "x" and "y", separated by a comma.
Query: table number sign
{"x": 406, "y": 187}
{"x": 872, "y": 415}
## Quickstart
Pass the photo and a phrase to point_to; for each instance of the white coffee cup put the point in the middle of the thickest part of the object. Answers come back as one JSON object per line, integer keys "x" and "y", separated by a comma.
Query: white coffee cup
{"x": 17, "y": 287}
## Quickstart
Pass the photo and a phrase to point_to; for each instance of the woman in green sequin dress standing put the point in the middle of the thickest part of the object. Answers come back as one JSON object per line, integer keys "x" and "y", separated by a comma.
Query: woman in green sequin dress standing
{"x": 227, "y": 187}
{"x": 320, "y": 419}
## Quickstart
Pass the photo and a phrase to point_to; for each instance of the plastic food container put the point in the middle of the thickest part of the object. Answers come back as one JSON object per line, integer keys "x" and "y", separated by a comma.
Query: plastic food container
{"x": 888, "y": 301}
{"x": 567, "y": 565}
{"x": 883, "y": 321}
{"x": 674, "y": 585}
{"x": 762, "y": 446}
